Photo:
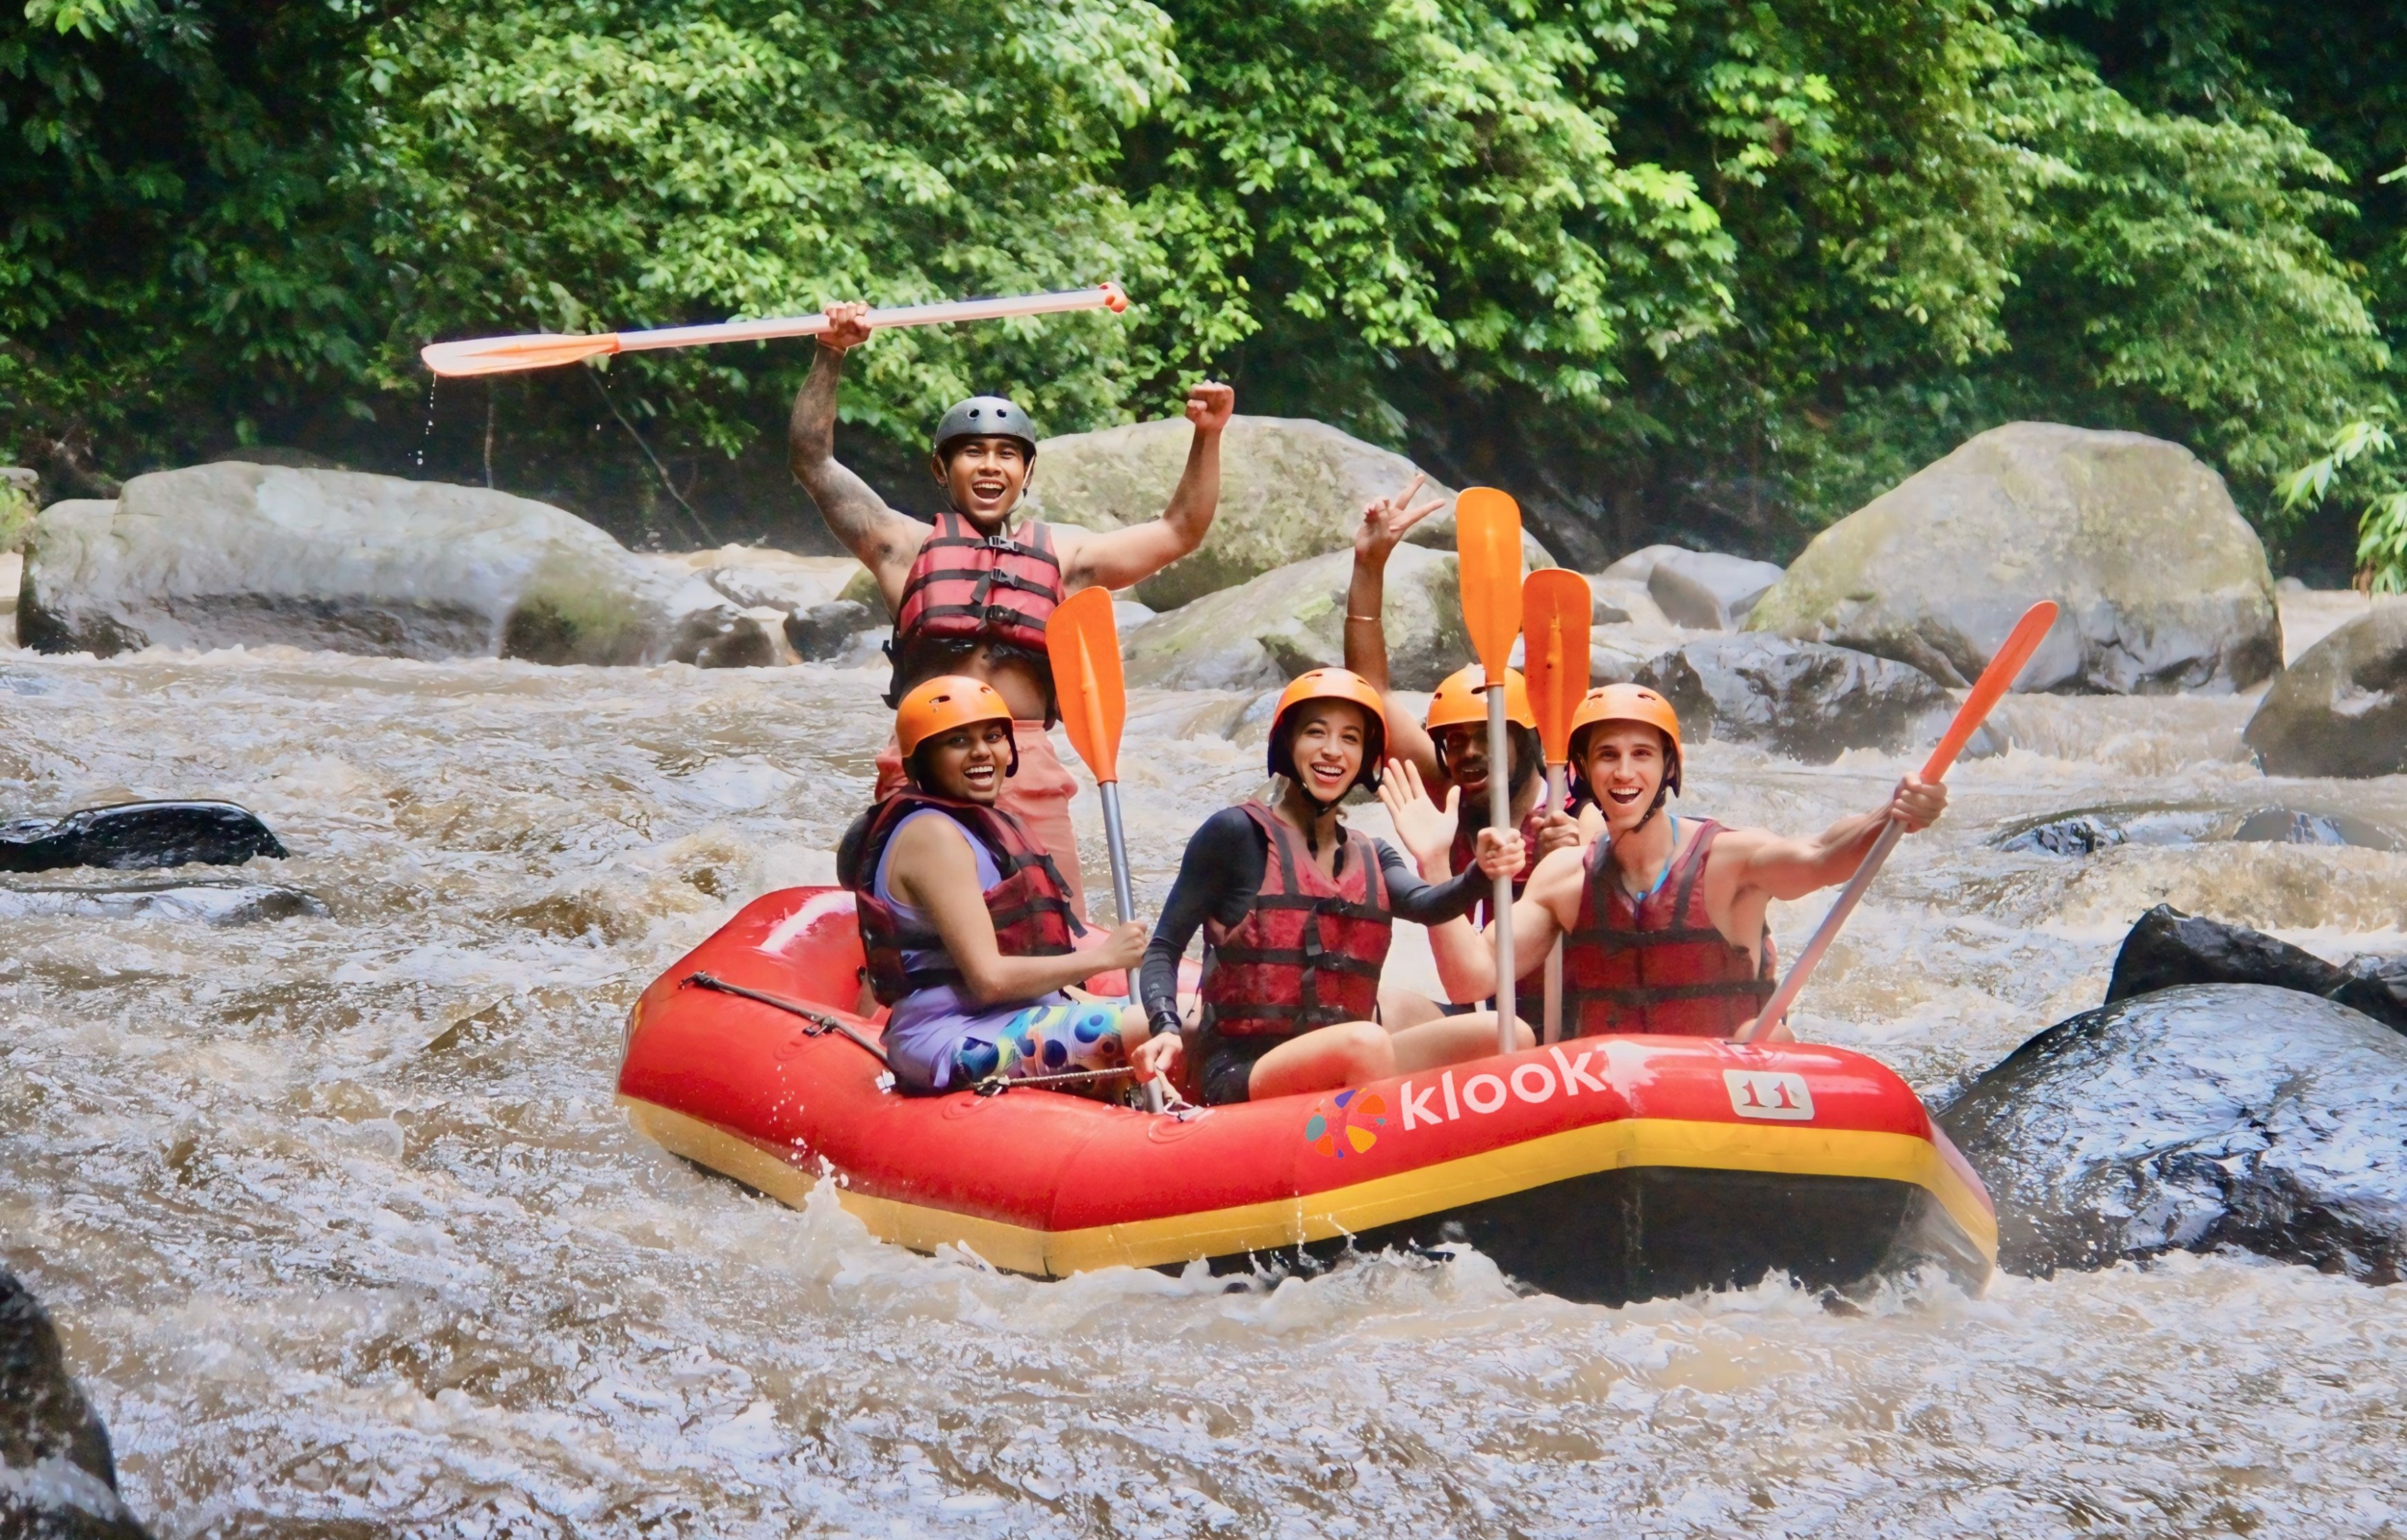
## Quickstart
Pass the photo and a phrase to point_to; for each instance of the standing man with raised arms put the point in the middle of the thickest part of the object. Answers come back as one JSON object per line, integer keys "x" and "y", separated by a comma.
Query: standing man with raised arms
{"x": 969, "y": 593}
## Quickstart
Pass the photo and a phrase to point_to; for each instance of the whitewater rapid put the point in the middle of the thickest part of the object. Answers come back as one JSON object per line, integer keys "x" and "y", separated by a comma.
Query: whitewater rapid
{"x": 346, "y": 1238}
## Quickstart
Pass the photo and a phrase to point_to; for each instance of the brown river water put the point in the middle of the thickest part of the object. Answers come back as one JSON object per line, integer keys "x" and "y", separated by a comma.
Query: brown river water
{"x": 346, "y": 1238}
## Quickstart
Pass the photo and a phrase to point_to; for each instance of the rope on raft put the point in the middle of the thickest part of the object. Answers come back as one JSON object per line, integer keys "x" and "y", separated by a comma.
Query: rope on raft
{"x": 820, "y": 1021}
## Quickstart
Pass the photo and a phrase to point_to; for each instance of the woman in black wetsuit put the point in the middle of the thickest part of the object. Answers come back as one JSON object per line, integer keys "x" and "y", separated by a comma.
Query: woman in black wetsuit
{"x": 1297, "y": 911}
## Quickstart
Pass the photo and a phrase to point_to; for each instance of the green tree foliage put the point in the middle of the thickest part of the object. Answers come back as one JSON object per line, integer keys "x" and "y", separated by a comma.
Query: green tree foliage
{"x": 1658, "y": 266}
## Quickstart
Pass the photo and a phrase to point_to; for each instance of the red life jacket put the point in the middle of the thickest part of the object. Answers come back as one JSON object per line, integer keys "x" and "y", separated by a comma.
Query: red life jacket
{"x": 1308, "y": 954}
{"x": 1658, "y": 965}
{"x": 1531, "y": 985}
{"x": 1030, "y": 905}
{"x": 967, "y": 589}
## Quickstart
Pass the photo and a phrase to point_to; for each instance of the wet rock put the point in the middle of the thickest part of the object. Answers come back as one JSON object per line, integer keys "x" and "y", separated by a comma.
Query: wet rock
{"x": 2279, "y": 826}
{"x": 131, "y": 835}
{"x": 758, "y": 577}
{"x": 825, "y": 631}
{"x": 240, "y": 554}
{"x": 1291, "y": 489}
{"x": 2088, "y": 832}
{"x": 2074, "y": 835}
{"x": 2195, "y": 1118}
{"x": 1266, "y": 632}
{"x": 2341, "y": 709}
{"x": 57, "y": 1477}
{"x": 220, "y": 903}
{"x": 1639, "y": 566}
{"x": 2164, "y": 586}
{"x": 1801, "y": 699}
{"x": 1707, "y": 590}
{"x": 2169, "y": 948}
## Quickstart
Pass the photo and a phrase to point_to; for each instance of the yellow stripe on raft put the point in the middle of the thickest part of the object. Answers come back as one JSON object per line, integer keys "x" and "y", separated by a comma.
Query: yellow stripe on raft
{"x": 1789, "y": 1151}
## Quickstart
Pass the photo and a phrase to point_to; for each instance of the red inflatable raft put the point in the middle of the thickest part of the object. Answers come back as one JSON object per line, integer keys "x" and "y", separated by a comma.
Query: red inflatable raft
{"x": 1606, "y": 1168}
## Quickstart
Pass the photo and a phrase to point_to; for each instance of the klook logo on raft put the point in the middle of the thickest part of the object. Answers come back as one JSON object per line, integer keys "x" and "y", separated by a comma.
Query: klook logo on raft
{"x": 1337, "y": 1125}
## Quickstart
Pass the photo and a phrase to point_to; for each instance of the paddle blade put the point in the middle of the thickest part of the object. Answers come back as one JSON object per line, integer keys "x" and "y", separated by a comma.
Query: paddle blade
{"x": 508, "y": 355}
{"x": 1555, "y": 607}
{"x": 1084, "y": 646}
{"x": 1487, "y": 545}
{"x": 2004, "y": 667}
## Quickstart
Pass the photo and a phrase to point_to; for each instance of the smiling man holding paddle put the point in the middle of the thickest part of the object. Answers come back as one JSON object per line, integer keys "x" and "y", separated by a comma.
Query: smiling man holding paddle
{"x": 971, "y": 592}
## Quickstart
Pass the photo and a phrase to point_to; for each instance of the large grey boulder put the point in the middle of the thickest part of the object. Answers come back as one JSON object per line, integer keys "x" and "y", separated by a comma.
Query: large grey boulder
{"x": 1265, "y": 633}
{"x": 2194, "y": 1118}
{"x": 58, "y": 1478}
{"x": 240, "y": 554}
{"x": 2342, "y": 709}
{"x": 2163, "y": 585}
{"x": 1803, "y": 700}
{"x": 1291, "y": 489}
{"x": 1707, "y": 590}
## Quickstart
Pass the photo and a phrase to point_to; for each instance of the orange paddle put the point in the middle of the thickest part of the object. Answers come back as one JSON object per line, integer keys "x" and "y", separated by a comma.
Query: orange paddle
{"x": 2005, "y": 666}
{"x": 504, "y": 355}
{"x": 1082, "y": 642}
{"x": 1488, "y": 548}
{"x": 1556, "y": 608}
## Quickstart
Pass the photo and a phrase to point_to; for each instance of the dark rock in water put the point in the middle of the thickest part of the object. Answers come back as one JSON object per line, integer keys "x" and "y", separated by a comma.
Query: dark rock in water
{"x": 2377, "y": 985}
{"x": 825, "y": 631}
{"x": 134, "y": 835}
{"x": 2279, "y": 826}
{"x": 1805, "y": 700}
{"x": 2195, "y": 1118}
{"x": 2340, "y": 709}
{"x": 2092, "y": 829}
{"x": 213, "y": 903}
{"x": 2079, "y": 834}
{"x": 2169, "y": 948}
{"x": 57, "y": 1481}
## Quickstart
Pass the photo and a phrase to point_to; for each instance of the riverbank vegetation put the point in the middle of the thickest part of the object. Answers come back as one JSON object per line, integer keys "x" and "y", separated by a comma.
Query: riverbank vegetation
{"x": 1661, "y": 267}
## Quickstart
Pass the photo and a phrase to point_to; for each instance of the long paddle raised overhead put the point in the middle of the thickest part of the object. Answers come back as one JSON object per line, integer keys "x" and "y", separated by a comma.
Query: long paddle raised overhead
{"x": 506, "y": 355}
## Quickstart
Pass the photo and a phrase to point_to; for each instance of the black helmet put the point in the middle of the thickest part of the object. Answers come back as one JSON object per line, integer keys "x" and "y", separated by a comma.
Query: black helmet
{"x": 985, "y": 417}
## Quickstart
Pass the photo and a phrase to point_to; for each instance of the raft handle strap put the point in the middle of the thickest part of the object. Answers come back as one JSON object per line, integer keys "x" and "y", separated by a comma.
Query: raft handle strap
{"x": 822, "y": 1023}
{"x": 995, "y": 1084}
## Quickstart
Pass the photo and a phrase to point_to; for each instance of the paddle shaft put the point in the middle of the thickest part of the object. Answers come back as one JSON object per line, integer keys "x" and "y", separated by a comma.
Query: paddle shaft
{"x": 1554, "y": 954}
{"x": 771, "y": 328}
{"x": 1125, "y": 904}
{"x": 1825, "y": 933}
{"x": 1500, "y": 816}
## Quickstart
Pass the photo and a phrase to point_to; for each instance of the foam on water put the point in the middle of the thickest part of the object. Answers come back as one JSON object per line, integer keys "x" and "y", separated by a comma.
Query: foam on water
{"x": 347, "y": 1236}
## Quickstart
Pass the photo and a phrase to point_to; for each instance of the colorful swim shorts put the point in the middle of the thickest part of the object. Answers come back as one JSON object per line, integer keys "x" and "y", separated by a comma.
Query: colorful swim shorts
{"x": 1044, "y": 1039}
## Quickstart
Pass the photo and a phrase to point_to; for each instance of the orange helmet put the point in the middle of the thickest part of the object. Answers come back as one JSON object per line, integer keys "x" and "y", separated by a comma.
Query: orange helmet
{"x": 945, "y": 703}
{"x": 1628, "y": 703}
{"x": 1331, "y": 684}
{"x": 1461, "y": 700}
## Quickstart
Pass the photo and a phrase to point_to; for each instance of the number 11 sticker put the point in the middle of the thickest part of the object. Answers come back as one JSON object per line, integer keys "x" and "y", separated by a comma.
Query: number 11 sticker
{"x": 1770, "y": 1093}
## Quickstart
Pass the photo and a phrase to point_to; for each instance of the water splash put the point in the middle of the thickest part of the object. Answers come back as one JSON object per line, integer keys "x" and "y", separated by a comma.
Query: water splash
{"x": 346, "y": 1234}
